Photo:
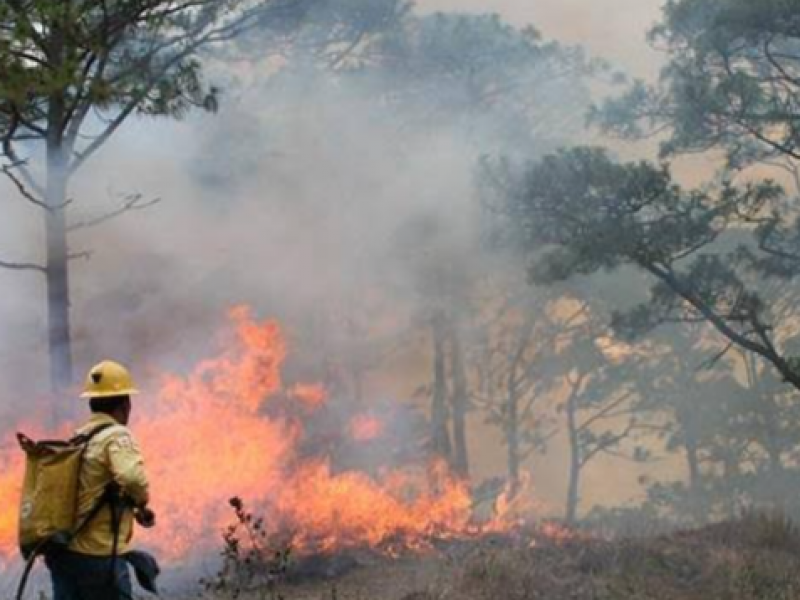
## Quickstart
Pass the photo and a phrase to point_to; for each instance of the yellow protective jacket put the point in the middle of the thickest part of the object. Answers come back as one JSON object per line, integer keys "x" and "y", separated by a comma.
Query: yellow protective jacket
{"x": 112, "y": 455}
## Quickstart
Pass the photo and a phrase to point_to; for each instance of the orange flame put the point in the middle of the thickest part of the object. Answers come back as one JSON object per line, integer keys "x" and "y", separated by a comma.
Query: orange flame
{"x": 365, "y": 428}
{"x": 208, "y": 436}
{"x": 313, "y": 395}
{"x": 11, "y": 467}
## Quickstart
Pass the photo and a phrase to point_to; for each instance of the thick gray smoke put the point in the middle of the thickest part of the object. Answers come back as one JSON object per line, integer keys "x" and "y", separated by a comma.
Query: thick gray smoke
{"x": 312, "y": 198}
{"x": 292, "y": 198}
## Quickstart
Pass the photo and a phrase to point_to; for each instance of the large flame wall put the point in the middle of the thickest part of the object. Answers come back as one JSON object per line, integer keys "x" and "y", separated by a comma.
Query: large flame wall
{"x": 211, "y": 435}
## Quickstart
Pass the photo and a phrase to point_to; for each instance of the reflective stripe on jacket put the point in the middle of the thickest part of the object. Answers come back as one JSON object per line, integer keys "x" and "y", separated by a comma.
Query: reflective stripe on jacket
{"x": 112, "y": 455}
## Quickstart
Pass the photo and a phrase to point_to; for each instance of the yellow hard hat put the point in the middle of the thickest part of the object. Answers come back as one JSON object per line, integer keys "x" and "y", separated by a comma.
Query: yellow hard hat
{"x": 108, "y": 379}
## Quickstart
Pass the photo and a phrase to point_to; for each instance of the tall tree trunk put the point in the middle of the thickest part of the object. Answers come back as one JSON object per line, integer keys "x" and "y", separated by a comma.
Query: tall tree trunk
{"x": 512, "y": 424}
{"x": 693, "y": 463}
{"x": 57, "y": 260}
{"x": 460, "y": 402}
{"x": 440, "y": 437}
{"x": 691, "y": 447}
{"x": 58, "y": 304}
{"x": 573, "y": 486}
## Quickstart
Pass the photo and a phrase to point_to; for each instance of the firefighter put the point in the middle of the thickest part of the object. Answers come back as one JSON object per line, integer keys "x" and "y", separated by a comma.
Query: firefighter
{"x": 113, "y": 492}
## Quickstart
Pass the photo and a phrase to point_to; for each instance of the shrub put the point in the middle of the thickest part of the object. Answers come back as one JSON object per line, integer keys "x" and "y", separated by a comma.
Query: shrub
{"x": 247, "y": 563}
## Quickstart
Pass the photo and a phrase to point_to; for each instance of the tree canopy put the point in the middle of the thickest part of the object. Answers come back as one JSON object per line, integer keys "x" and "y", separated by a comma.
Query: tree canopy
{"x": 579, "y": 212}
{"x": 731, "y": 82}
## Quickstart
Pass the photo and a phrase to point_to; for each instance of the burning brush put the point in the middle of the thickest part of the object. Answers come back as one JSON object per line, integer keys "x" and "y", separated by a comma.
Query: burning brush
{"x": 232, "y": 427}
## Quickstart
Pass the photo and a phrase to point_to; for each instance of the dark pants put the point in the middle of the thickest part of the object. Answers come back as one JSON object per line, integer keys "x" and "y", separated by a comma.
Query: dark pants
{"x": 81, "y": 577}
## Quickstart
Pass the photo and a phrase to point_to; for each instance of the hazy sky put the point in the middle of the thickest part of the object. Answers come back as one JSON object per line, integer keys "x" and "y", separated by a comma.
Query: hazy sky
{"x": 613, "y": 29}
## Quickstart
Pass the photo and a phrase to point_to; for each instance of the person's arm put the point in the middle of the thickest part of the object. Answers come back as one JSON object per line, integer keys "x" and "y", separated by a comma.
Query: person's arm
{"x": 127, "y": 468}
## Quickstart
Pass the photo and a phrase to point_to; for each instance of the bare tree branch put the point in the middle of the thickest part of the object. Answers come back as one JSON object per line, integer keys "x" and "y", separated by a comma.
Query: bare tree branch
{"x": 132, "y": 203}
{"x": 84, "y": 255}
{"x": 193, "y": 41}
{"x": 15, "y": 266}
{"x": 11, "y": 154}
{"x": 709, "y": 364}
{"x": 607, "y": 444}
{"x": 765, "y": 349}
{"x": 604, "y": 413}
{"x": 8, "y": 171}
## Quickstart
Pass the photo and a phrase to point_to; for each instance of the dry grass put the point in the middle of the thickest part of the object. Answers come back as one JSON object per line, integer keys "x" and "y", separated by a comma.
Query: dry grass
{"x": 755, "y": 558}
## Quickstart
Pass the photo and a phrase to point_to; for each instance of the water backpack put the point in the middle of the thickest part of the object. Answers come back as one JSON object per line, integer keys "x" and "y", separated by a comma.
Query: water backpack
{"x": 48, "y": 514}
{"x": 49, "y": 503}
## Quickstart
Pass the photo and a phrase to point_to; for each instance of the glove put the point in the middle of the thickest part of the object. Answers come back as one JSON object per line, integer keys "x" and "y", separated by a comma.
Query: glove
{"x": 145, "y": 517}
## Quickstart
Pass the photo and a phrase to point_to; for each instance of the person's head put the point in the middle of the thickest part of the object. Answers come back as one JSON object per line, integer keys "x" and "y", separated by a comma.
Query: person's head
{"x": 118, "y": 407}
{"x": 109, "y": 388}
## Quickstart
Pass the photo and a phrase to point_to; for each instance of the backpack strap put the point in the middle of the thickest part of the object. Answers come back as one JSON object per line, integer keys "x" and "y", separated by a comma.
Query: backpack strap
{"x": 110, "y": 494}
{"x": 85, "y": 438}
